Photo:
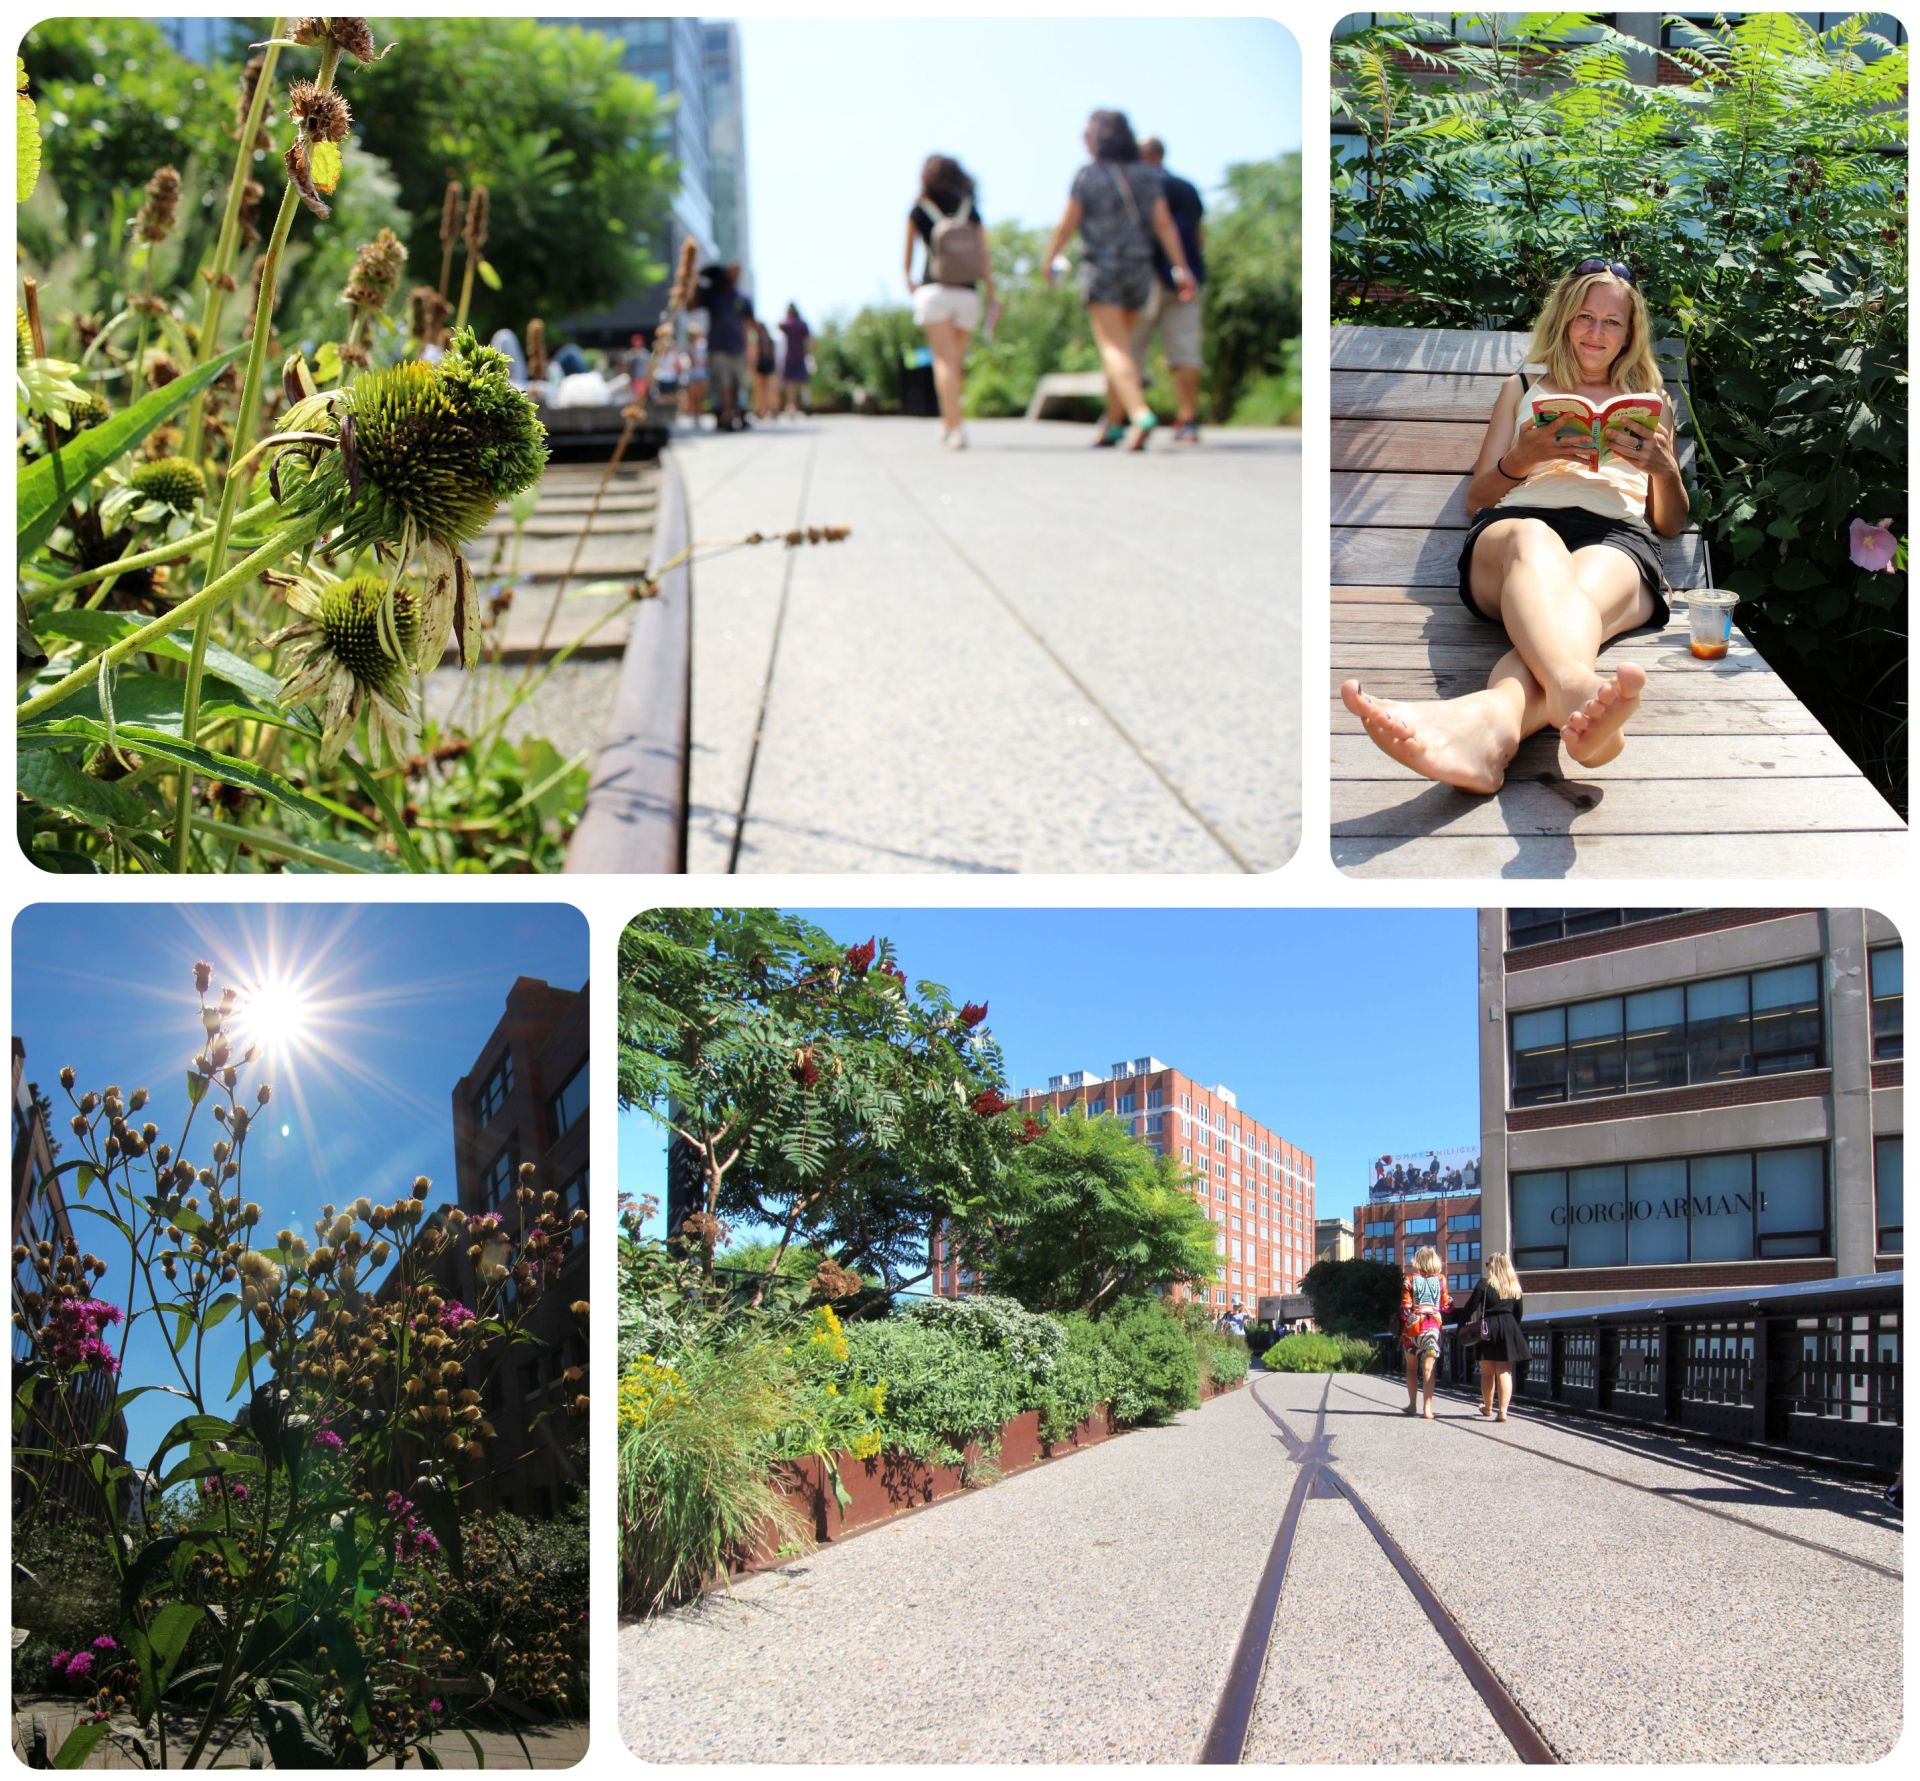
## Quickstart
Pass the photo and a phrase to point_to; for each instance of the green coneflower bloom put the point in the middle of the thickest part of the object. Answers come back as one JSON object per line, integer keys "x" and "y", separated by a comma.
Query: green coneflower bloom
{"x": 420, "y": 457}
{"x": 345, "y": 666}
{"x": 176, "y": 483}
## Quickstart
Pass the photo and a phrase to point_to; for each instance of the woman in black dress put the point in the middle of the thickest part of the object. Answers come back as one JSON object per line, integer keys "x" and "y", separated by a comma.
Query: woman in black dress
{"x": 1504, "y": 1353}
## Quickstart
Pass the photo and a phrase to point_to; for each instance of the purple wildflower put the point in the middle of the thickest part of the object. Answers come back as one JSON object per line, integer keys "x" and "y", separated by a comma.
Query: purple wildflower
{"x": 324, "y": 1437}
{"x": 106, "y": 1642}
{"x": 60, "y": 1662}
{"x": 80, "y": 1666}
{"x": 455, "y": 1315}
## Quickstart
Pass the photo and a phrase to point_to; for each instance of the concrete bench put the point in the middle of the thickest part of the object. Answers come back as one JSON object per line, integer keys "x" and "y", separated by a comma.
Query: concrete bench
{"x": 1725, "y": 771}
{"x": 1060, "y": 387}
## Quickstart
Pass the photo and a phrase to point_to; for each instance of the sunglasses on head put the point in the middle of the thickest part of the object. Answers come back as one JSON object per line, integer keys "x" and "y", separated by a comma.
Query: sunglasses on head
{"x": 1594, "y": 263}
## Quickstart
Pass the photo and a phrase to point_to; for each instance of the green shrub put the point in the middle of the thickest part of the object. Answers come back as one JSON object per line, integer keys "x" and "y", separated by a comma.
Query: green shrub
{"x": 1311, "y": 1352}
{"x": 1156, "y": 1362}
{"x": 1272, "y": 400}
{"x": 1224, "y": 1359}
{"x": 1083, "y": 1379}
{"x": 1028, "y": 1342}
{"x": 943, "y": 1390}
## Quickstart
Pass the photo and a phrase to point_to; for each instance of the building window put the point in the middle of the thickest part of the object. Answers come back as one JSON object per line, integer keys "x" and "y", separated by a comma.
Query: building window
{"x": 1463, "y": 1221}
{"x": 1717, "y": 1030}
{"x": 569, "y": 1106}
{"x": 573, "y": 1197}
{"x": 1123, "y": 1103}
{"x": 1740, "y": 1206}
{"x": 1887, "y": 969}
{"x": 494, "y": 1091}
{"x": 1379, "y": 1227}
{"x": 497, "y": 1179}
{"x": 1419, "y": 1227}
{"x": 1530, "y": 927}
{"x": 1463, "y": 1252}
{"x": 1153, "y": 1099}
{"x": 1097, "y": 1109}
{"x": 1889, "y": 1194}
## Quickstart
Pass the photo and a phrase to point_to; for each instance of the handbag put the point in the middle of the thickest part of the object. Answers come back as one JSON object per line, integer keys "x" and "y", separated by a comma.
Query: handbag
{"x": 1476, "y": 1331}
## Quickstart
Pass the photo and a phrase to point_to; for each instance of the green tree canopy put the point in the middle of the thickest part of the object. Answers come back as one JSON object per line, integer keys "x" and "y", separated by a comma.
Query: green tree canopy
{"x": 1353, "y": 1298}
{"x": 818, "y": 1093}
{"x": 1087, "y": 1214}
{"x": 1253, "y": 249}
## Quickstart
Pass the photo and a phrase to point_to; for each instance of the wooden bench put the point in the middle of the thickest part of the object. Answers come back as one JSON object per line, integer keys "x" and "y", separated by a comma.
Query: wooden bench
{"x": 1725, "y": 771}
{"x": 1062, "y": 387}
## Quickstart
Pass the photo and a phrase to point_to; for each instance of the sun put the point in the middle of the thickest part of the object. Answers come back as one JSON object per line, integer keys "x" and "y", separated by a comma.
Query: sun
{"x": 275, "y": 1014}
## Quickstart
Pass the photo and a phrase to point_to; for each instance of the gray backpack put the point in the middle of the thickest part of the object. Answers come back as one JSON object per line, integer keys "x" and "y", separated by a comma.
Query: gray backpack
{"x": 957, "y": 245}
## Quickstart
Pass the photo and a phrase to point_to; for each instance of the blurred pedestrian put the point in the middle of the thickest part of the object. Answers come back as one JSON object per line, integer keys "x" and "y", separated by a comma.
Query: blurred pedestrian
{"x": 1118, "y": 210}
{"x": 765, "y": 367}
{"x": 957, "y": 264}
{"x": 636, "y": 365}
{"x": 1495, "y": 1305}
{"x": 693, "y": 402}
{"x": 793, "y": 367}
{"x": 719, "y": 295}
{"x": 1423, "y": 1304}
{"x": 1178, "y": 323}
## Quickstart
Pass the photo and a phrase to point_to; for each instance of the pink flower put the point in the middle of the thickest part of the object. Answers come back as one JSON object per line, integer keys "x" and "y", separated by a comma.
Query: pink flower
{"x": 73, "y": 1334}
{"x": 1873, "y": 547}
{"x": 434, "y": 1706}
{"x": 80, "y": 1666}
{"x": 60, "y": 1662}
{"x": 454, "y": 1315}
{"x": 324, "y": 1437}
{"x": 106, "y": 1643}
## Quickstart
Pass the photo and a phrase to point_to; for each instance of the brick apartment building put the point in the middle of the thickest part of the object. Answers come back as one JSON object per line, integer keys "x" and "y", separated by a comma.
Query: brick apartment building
{"x": 1674, "y": 1100}
{"x": 525, "y": 1101}
{"x": 40, "y": 1216}
{"x": 1396, "y": 1230}
{"x": 1255, "y": 1187}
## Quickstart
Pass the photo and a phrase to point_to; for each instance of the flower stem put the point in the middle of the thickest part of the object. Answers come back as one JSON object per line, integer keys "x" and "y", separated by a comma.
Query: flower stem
{"x": 466, "y": 292}
{"x": 289, "y": 538}
{"x": 182, "y": 837}
{"x": 161, "y": 553}
{"x": 223, "y": 252}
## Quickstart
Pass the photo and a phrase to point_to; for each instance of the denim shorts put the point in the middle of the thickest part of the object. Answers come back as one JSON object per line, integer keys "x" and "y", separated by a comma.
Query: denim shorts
{"x": 1577, "y": 528}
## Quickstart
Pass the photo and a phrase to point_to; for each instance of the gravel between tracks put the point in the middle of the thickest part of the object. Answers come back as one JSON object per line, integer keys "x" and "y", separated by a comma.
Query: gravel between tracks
{"x": 1084, "y": 1611}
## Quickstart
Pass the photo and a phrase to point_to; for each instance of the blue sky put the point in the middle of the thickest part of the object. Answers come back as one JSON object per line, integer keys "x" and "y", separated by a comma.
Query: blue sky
{"x": 400, "y": 999}
{"x": 841, "y": 112}
{"x": 1352, "y": 1033}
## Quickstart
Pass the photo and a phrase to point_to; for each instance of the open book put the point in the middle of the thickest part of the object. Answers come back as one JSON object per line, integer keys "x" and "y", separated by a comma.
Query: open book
{"x": 1600, "y": 421}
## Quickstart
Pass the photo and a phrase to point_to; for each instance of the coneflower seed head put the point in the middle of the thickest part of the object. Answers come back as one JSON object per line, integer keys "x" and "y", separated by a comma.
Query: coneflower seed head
{"x": 155, "y": 218}
{"x": 450, "y": 212}
{"x": 349, "y": 619}
{"x": 476, "y": 230}
{"x": 322, "y": 111}
{"x": 174, "y": 482}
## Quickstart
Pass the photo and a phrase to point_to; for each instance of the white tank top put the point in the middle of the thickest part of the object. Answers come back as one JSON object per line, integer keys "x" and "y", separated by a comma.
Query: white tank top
{"x": 1615, "y": 490}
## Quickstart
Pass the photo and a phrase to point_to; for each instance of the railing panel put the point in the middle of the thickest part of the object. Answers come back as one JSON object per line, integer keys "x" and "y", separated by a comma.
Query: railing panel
{"x": 1836, "y": 1385}
{"x": 1715, "y": 1381}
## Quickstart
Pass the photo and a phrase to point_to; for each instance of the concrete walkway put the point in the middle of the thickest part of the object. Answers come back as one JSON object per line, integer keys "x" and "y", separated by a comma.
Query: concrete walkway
{"x": 1088, "y": 1610}
{"x": 1029, "y": 657}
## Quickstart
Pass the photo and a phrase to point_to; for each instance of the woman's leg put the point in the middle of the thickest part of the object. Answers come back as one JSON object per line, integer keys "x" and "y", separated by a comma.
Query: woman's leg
{"x": 1413, "y": 1379}
{"x": 949, "y": 344}
{"x": 1429, "y": 1365}
{"x": 1503, "y": 1370}
{"x": 1486, "y": 1386}
{"x": 1559, "y": 608}
{"x": 1113, "y": 329}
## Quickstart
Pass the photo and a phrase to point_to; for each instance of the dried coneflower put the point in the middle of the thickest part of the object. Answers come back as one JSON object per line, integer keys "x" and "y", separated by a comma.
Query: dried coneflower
{"x": 474, "y": 233}
{"x": 161, "y": 368}
{"x": 428, "y": 313}
{"x": 536, "y": 350}
{"x": 250, "y": 77}
{"x": 345, "y": 667}
{"x": 322, "y": 111}
{"x": 250, "y": 195}
{"x": 352, "y": 37}
{"x": 376, "y": 273}
{"x": 156, "y": 216}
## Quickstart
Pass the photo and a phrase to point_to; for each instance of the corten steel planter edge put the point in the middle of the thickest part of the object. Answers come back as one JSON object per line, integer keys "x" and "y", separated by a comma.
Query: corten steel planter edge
{"x": 635, "y": 818}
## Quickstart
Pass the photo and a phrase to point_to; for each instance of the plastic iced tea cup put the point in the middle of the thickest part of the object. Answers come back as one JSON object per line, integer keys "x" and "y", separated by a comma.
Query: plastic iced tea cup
{"x": 1710, "y": 621}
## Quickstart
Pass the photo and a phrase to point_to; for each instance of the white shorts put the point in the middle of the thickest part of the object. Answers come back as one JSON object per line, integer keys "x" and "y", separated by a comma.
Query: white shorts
{"x": 1179, "y": 325}
{"x": 956, "y": 303}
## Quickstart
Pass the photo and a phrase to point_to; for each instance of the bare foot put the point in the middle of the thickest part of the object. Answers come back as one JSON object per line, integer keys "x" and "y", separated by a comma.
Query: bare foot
{"x": 1465, "y": 742}
{"x": 1428, "y": 1416}
{"x": 1594, "y": 734}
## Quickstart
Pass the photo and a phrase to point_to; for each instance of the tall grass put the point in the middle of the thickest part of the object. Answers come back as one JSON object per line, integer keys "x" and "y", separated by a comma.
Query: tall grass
{"x": 695, "y": 1492}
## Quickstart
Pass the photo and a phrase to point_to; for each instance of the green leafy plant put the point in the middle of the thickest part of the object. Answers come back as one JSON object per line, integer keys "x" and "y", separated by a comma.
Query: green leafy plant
{"x": 1307, "y": 1351}
{"x": 1353, "y": 1298}
{"x": 1156, "y": 1361}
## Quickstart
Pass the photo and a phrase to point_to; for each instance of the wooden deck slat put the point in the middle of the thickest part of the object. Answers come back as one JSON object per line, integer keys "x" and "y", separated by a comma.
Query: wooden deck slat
{"x": 1419, "y": 395}
{"x": 1657, "y": 717}
{"x": 1368, "y": 498}
{"x": 1437, "y": 349}
{"x": 1404, "y": 554}
{"x": 1724, "y": 772}
{"x": 1654, "y": 755}
{"x": 1879, "y": 855}
{"x": 1400, "y": 805}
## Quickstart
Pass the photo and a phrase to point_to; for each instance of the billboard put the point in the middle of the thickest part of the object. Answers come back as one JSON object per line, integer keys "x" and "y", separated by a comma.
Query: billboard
{"x": 1420, "y": 1172}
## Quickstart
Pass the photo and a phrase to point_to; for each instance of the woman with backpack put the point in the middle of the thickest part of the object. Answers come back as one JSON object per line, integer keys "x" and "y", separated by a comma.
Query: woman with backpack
{"x": 956, "y": 264}
{"x": 1119, "y": 210}
{"x": 1490, "y": 1323}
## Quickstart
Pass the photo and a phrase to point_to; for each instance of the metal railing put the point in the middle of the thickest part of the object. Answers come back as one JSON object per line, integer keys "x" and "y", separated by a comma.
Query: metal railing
{"x": 1814, "y": 1368}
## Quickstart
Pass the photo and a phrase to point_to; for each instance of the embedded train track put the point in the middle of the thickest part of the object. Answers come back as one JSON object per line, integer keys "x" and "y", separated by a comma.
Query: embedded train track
{"x": 1226, "y": 1738}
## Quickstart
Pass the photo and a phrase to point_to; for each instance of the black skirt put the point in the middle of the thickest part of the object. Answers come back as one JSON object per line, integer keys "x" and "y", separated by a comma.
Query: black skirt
{"x": 1506, "y": 1341}
{"x": 1577, "y": 528}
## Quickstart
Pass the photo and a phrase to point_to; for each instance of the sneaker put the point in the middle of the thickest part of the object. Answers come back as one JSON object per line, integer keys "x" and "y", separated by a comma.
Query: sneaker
{"x": 1187, "y": 433}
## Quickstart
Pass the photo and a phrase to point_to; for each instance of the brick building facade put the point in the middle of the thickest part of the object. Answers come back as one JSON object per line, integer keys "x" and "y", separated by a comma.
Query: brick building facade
{"x": 1255, "y": 1187}
{"x": 1681, "y": 1099}
{"x": 1396, "y": 1230}
{"x": 525, "y": 1101}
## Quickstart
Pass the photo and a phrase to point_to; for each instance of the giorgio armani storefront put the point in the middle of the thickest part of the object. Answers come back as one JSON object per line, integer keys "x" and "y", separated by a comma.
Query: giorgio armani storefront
{"x": 1679, "y": 1100}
